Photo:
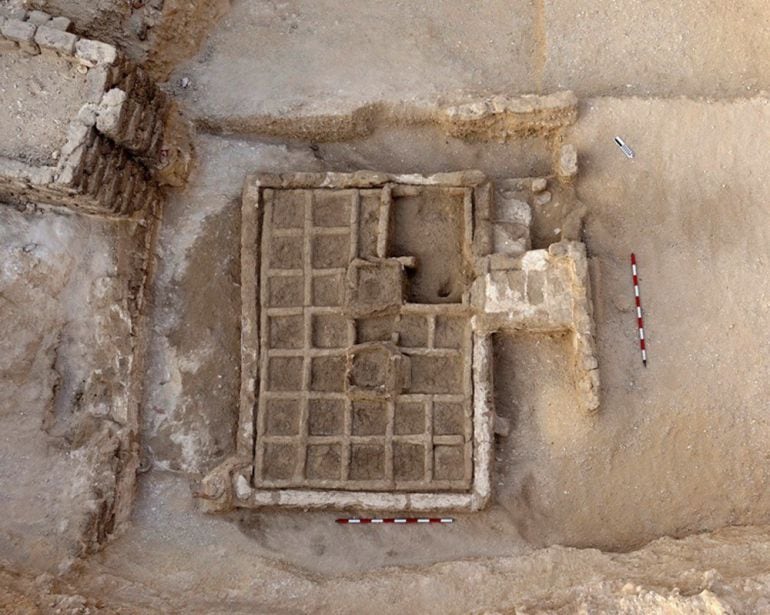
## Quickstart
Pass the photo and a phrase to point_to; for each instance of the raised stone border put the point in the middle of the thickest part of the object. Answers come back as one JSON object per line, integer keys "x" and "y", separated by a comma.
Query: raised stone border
{"x": 231, "y": 484}
{"x": 515, "y": 288}
{"x": 544, "y": 291}
{"x": 127, "y": 139}
{"x": 494, "y": 118}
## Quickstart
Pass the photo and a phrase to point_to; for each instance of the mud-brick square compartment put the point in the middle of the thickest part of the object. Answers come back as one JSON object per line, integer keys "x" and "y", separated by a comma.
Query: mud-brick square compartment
{"x": 360, "y": 368}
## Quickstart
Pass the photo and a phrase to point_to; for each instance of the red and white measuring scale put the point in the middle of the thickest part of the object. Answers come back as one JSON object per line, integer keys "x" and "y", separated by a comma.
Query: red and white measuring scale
{"x": 639, "y": 320}
{"x": 394, "y": 520}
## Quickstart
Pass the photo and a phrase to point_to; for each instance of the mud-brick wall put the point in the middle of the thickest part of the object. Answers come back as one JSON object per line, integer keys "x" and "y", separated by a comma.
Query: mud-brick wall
{"x": 134, "y": 112}
{"x": 108, "y": 179}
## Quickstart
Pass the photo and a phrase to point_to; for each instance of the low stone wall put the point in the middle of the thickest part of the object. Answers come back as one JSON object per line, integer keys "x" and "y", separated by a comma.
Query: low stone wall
{"x": 501, "y": 117}
{"x": 545, "y": 291}
{"x": 126, "y": 141}
{"x": 509, "y": 287}
{"x": 493, "y": 118}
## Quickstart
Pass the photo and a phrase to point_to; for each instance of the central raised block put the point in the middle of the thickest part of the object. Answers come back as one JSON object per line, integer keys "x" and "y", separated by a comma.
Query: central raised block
{"x": 377, "y": 370}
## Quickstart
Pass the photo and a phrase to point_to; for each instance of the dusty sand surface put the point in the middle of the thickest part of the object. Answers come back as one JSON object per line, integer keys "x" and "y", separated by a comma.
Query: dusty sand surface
{"x": 190, "y": 425}
{"x": 71, "y": 271}
{"x": 682, "y": 444}
{"x": 313, "y": 55}
{"x": 601, "y": 461}
{"x": 27, "y": 92}
{"x": 658, "y": 456}
{"x": 678, "y": 448}
{"x": 182, "y": 561}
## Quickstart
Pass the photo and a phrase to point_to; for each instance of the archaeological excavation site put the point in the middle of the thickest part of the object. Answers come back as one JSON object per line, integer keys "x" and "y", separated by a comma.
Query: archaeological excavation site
{"x": 384, "y": 307}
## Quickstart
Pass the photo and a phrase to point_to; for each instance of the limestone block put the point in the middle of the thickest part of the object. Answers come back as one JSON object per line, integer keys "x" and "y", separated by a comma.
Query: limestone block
{"x": 505, "y": 292}
{"x": 60, "y": 23}
{"x": 63, "y": 43}
{"x": 590, "y": 362}
{"x": 242, "y": 488}
{"x": 12, "y": 12}
{"x": 539, "y": 184}
{"x": 69, "y": 160}
{"x": 542, "y": 198}
{"x": 96, "y": 82}
{"x": 110, "y": 112}
{"x": 91, "y": 53}
{"x": 6, "y": 44}
{"x": 502, "y": 426}
{"x": 38, "y": 18}
{"x": 423, "y": 501}
{"x": 21, "y": 173}
{"x": 536, "y": 287}
{"x": 87, "y": 114}
{"x": 23, "y": 33}
{"x": 558, "y": 249}
{"x": 560, "y": 296}
{"x": 77, "y": 132}
{"x": 535, "y": 260}
{"x": 567, "y": 166}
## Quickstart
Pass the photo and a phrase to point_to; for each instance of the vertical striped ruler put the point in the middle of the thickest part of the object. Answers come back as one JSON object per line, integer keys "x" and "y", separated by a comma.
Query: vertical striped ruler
{"x": 639, "y": 320}
{"x": 363, "y": 521}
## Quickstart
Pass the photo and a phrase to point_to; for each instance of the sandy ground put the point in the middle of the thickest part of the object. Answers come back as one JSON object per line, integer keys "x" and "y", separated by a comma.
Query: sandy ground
{"x": 27, "y": 93}
{"x": 181, "y": 561}
{"x": 59, "y": 337}
{"x": 681, "y": 445}
{"x": 677, "y": 448}
{"x": 319, "y": 55}
{"x": 659, "y": 456}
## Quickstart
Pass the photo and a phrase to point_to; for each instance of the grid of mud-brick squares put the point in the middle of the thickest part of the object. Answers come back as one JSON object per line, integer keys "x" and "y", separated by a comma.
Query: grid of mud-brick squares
{"x": 309, "y": 432}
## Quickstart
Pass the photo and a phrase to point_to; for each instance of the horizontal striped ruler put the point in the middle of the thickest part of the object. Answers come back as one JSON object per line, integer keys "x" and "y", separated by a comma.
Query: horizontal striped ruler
{"x": 362, "y": 521}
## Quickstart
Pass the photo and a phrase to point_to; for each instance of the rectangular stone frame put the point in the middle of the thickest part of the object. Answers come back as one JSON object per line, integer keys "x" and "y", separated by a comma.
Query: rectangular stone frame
{"x": 244, "y": 495}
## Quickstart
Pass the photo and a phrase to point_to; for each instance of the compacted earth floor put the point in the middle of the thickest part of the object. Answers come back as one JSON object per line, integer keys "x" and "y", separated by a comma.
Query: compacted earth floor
{"x": 630, "y": 510}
